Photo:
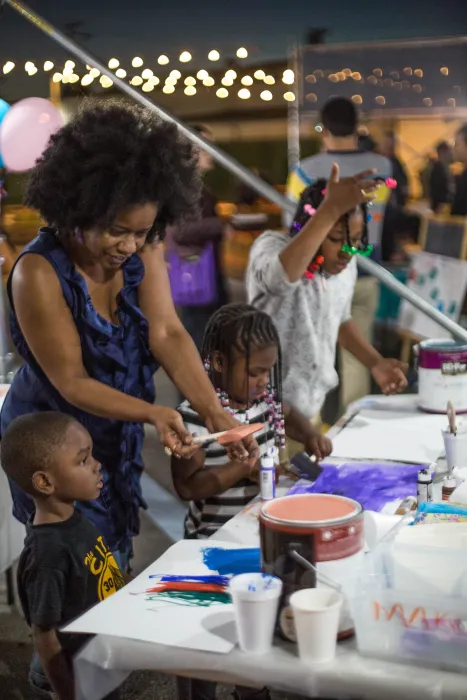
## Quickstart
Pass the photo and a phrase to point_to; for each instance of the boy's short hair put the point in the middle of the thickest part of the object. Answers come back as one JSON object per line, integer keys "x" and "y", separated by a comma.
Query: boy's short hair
{"x": 28, "y": 443}
{"x": 339, "y": 116}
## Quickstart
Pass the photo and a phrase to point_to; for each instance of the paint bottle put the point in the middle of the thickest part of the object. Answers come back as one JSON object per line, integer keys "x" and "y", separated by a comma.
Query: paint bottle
{"x": 424, "y": 486}
{"x": 273, "y": 452}
{"x": 449, "y": 485}
{"x": 267, "y": 478}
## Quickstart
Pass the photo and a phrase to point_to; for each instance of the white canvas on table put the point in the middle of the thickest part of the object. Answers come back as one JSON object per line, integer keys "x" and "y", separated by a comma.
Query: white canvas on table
{"x": 125, "y": 614}
{"x": 413, "y": 437}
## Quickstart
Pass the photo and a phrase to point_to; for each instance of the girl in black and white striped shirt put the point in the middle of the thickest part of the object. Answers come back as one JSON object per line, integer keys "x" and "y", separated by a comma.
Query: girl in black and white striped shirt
{"x": 241, "y": 353}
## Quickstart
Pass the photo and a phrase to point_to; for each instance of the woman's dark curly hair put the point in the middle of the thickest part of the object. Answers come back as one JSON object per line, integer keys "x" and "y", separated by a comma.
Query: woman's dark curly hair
{"x": 110, "y": 157}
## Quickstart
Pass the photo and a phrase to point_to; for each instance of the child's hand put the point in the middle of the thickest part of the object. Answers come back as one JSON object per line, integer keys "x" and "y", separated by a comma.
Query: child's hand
{"x": 344, "y": 195}
{"x": 318, "y": 445}
{"x": 390, "y": 375}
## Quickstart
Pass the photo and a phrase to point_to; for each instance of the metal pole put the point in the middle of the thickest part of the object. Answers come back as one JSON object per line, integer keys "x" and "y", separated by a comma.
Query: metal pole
{"x": 293, "y": 117}
{"x": 232, "y": 165}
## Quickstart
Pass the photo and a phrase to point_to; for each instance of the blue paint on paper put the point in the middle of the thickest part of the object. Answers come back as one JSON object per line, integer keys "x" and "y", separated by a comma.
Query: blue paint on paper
{"x": 232, "y": 561}
{"x": 373, "y": 485}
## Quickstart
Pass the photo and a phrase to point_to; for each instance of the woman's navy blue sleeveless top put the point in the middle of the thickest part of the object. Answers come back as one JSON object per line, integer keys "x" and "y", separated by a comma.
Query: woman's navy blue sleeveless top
{"x": 115, "y": 354}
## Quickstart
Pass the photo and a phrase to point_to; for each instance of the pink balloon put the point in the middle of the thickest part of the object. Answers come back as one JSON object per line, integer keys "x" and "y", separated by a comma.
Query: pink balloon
{"x": 25, "y": 132}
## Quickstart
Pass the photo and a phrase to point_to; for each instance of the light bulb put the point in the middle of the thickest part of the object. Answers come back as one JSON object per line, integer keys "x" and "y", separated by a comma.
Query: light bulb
{"x": 121, "y": 73}
{"x": 269, "y": 80}
{"x": 86, "y": 80}
{"x": 289, "y": 96}
{"x": 208, "y": 82}
{"x": 288, "y": 77}
{"x": 259, "y": 74}
{"x": 222, "y": 93}
{"x": 8, "y": 67}
{"x": 163, "y": 60}
{"x": 168, "y": 89}
{"x": 185, "y": 57}
{"x": 137, "y": 62}
{"x": 190, "y": 81}
{"x": 247, "y": 80}
{"x": 214, "y": 55}
{"x": 105, "y": 81}
{"x": 244, "y": 94}
{"x": 95, "y": 72}
{"x": 242, "y": 52}
{"x": 48, "y": 65}
{"x": 136, "y": 80}
{"x": 114, "y": 63}
{"x": 202, "y": 74}
{"x": 190, "y": 91}
{"x": 147, "y": 87}
{"x": 147, "y": 73}
{"x": 266, "y": 95}
{"x": 57, "y": 77}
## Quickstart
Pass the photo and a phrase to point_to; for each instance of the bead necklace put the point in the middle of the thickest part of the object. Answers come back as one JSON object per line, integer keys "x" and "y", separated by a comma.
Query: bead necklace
{"x": 275, "y": 413}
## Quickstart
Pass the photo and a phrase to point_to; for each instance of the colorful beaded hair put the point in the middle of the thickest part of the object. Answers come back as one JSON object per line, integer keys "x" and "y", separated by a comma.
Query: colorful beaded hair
{"x": 236, "y": 329}
{"x": 311, "y": 198}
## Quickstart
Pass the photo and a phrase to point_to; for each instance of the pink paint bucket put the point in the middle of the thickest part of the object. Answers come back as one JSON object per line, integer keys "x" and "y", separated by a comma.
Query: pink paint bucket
{"x": 326, "y": 531}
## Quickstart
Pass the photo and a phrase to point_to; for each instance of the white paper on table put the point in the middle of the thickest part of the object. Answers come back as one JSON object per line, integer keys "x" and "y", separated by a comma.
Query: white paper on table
{"x": 199, "y": 628}
{"x": 410, "y": 436}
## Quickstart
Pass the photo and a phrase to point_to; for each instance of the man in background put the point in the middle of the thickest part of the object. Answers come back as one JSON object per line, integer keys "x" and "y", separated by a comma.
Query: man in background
{"x": 340, "y": 139}
{"x": 459, "y": 205}
{"x": 441, "y": 180}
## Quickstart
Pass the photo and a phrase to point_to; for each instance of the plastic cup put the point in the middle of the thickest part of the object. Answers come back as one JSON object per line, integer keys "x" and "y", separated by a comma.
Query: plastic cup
{"x": 316, "y": 615}
{"x": 456, "y": 448}
{"x": 256, "y": 599}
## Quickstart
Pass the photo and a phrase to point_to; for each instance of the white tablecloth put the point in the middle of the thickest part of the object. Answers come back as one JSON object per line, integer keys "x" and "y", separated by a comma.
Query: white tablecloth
{"x": 106, "y": 661}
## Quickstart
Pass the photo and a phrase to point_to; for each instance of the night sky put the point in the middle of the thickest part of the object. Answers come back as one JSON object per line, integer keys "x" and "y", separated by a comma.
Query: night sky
{"x": 267, "y": 28}
{"x": 151, "y": 27}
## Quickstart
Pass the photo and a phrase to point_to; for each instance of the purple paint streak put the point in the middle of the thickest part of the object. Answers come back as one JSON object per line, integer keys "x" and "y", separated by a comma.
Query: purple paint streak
{"x": 371, "y": 484}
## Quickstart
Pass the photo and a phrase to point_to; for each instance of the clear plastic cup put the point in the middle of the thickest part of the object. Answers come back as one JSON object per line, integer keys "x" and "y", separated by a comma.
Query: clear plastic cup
{"x": 316, "y": 616}
{"x": 256, "y": 599}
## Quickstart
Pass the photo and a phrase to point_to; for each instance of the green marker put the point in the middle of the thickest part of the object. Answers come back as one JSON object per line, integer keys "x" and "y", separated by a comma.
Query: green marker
{"x": 433, "y": 273}
{"x": 452, "y": 308}
{"x": 434, "y": 294}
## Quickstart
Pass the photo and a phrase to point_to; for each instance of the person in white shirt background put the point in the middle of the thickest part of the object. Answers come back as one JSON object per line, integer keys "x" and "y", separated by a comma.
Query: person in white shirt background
{"x": 305, "y": 281}
{"x": 339, "y": 120}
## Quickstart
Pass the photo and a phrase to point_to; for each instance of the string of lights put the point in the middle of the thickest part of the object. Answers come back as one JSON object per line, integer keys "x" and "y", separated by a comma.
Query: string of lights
{"x": 233, "y": 83}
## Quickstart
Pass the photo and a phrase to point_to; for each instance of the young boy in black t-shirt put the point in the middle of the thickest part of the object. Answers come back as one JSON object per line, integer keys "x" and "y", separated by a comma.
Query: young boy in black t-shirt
{"x": 65, "y": 567}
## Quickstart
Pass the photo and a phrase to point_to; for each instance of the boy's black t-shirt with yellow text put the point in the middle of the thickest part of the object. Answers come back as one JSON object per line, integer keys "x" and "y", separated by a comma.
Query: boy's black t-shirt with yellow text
{"x": 65, "y": 568}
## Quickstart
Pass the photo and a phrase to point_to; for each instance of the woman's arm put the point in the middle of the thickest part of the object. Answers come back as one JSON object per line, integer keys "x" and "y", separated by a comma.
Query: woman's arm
{"x": 193, "y": 481}
{"x": 175, "y": 350}
{"x": 170, "y": 344}
{"x": 50, "y": 332}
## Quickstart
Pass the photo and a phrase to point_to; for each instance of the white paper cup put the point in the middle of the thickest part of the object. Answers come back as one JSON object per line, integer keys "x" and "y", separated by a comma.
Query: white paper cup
{"x": 256, "y": 599}
{"x": 316, "y": 615}
{"x": 456, "y": 448}
{"x": 377, "y": 526}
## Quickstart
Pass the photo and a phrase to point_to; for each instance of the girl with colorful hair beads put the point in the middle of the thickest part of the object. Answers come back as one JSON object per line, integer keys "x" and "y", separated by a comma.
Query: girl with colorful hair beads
{"x": 305, "y": 281}
{"x": 242, "y": 357}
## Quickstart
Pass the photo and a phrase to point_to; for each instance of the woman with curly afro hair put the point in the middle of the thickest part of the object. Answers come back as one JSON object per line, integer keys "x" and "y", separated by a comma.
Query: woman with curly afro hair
{"x": 92, "y": 313}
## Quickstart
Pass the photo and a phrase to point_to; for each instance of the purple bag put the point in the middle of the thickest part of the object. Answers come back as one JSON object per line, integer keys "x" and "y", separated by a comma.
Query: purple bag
{"x": 193, "y": 280}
